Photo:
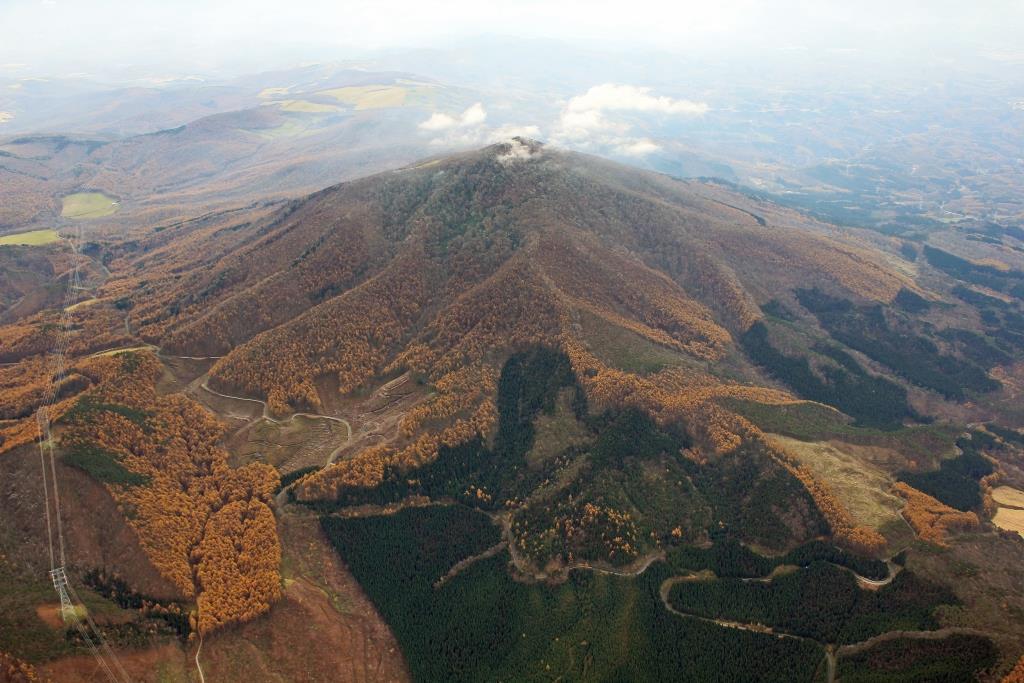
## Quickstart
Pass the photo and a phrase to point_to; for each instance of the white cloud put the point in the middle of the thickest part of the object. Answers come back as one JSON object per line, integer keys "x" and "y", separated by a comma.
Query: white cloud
{"x": 588, "y": 121}
{"x": 475, "y": 115}
{"x": 580, "y": 124}
{"x": 614, "y": 97}
{"x": 438, "y": 121}
{"x": 636, "y": 148}
{"x": 469, "y": 129}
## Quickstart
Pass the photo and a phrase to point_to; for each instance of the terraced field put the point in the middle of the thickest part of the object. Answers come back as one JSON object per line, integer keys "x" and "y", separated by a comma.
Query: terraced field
{"x": 1010, "y": 515}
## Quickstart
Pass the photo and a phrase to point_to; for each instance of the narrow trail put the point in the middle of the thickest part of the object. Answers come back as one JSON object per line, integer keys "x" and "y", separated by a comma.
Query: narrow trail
{"x": 632, "y": 570}
{"x": 199, "y": 668}
{"x": 164, "y": 355}
{"x": 874, "y": 584}
{"x": 525, "y": 569}
{"x": 666, "y": 587}
{"x": 266, "y": 416}
{"x": 462, "y": 565}
{"x": 863, "y": 581}
{"x": 833, "y": 651}
{"x": 266, "y": 412}
{"x": 938, "y": 634}
{"x": 106, "y": 658}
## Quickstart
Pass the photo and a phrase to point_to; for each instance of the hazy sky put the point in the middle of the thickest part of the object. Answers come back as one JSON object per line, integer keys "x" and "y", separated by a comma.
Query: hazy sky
{"x": 65, "y": 36}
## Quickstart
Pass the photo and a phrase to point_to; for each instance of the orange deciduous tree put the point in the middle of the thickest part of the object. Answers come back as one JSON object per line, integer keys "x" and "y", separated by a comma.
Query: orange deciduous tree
{"x": 930, "y": 518}
{"x": 1017, "y": 675}
{"x": 207, "y": 527}
{"x": 14, "y": 670}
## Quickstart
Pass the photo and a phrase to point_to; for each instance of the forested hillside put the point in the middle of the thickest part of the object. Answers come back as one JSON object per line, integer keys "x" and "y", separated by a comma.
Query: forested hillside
{"x": 520, "y": 388}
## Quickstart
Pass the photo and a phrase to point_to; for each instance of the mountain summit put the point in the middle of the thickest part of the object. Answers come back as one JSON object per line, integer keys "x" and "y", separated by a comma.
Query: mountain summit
{"x": 522, "y": 387}
{"x": 643, "y": 286}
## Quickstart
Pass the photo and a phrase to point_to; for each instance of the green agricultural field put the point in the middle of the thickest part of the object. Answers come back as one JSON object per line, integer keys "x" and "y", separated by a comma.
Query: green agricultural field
{"x": 293, "y": 127}
{"x": 84, "y": 205}
{"x": 306, "y": 107}
{"x": 369, "y": 96}
{"x": 33, "y": 238}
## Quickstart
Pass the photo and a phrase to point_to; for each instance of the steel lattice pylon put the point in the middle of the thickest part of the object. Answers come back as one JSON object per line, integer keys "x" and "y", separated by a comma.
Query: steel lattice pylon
{"x": 60, "y": 582}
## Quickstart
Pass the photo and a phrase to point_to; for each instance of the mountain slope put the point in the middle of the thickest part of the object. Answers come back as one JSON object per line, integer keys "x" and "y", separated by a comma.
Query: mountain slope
{"x": 470, "y": 214}
{"x": 445, "y": 269}
{"x": 581, "y": 385}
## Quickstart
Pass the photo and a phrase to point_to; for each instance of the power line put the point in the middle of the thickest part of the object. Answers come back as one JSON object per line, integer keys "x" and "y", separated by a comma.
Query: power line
{"x": 87, "y": 629}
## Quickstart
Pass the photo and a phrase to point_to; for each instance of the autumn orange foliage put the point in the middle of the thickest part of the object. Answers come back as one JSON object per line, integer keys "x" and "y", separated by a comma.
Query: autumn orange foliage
{"x": 92, "y": 328}
{"x": 98, "y": 327}
{"x": 626, "y": 293}
{"x": 22, "y": 340}
{"x": 1017, "y": 675}
{"x": 445, "y": 275}
{"x": 861, "y": 539}
{"x": 14, "y": 670}
{"x": 930, "y": 518}
{"x": 237, "y": 572}
{"x": 207, "y": 527}
{"x": 352, "y": 336}
{"x": 23, "y": 387}
{"x": 26, "y": 430}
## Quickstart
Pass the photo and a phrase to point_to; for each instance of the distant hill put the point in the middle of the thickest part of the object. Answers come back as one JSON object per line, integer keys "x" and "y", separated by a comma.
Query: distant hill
{"x": 200, "y": 146}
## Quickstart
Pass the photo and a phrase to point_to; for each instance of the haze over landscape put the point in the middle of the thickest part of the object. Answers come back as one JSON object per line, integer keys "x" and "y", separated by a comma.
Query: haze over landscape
{"x": 526, "y": 342}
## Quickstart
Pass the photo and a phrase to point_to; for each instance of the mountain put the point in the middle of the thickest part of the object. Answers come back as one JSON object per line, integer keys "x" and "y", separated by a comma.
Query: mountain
{"x": 556, "y": 415}
{"x": 268, "y": 136}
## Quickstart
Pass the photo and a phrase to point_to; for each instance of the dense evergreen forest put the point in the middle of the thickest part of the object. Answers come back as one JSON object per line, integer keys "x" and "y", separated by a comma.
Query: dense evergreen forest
{"x": 528, "y": 385}
{"x": 955, "y": 659}
{"x": 729, "y": 558}
{"x": 1010, "y": 281}
{"x": 483, "y": 626}
{"x": 891, "y": 340}
{"x": 872, "y": 401}
{"x": 620, "y": 490}
{"x": 822, "y": 602}
{"x": 955, "y": 483}
{"x": 480, "y": 624}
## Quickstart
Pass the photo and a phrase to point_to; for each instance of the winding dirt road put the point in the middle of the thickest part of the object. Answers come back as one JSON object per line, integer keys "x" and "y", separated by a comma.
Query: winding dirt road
{"x": 266, "y": 416}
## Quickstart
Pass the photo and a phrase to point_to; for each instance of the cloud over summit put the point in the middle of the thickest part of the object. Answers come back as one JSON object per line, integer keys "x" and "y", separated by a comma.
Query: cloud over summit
{"x": 615, "y": 97}
{"x": 474, "y": 115}
{"x": 589, "y": 120}
{"x": 469, "y": 128}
